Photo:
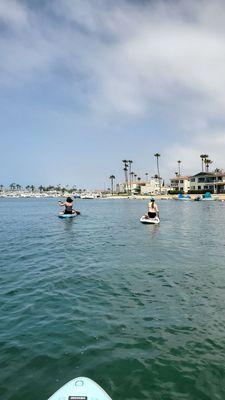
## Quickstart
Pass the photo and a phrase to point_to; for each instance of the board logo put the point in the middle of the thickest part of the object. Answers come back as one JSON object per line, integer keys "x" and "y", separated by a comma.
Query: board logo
{"x": 77, "y": 398}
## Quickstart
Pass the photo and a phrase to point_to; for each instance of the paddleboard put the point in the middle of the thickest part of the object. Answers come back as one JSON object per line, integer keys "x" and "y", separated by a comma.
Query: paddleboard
{"x": 80, "y": 389}
{"x": 67, "y": 215}
{"x": 147, "y": 220}
{"x": 207, "y": 199}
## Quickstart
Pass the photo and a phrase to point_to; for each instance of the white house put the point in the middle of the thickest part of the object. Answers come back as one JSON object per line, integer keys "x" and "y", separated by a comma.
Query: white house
{"x": 151, "y": 187}
{"x": 180, "y": 183}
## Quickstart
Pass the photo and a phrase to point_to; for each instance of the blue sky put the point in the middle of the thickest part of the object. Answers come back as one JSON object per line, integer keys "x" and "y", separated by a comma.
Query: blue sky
{"x": 87, "y": 83}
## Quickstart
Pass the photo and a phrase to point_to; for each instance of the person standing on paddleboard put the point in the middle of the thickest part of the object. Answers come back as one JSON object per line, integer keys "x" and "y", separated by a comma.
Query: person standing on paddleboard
{"x": 153, "y": 210}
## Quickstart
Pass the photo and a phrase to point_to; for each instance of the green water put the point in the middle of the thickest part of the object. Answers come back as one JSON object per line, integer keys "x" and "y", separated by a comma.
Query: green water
{"x": 139, "y": 309}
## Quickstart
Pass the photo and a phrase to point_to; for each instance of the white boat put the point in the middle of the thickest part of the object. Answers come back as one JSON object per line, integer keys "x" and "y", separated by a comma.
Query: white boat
{"x": 208, "y": 197}
{"x": 87, "y": 196}
{"x": 182, "y": 197}
{"x": 80, "y": 389}
{"x": 146, "y": 220}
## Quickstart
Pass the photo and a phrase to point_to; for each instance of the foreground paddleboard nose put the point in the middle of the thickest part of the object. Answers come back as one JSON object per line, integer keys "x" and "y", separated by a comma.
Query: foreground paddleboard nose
{"x": 80, "y": 389}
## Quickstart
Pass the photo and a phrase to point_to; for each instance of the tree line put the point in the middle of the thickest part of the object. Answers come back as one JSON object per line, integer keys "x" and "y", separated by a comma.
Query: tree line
{"x": 32, "y": 188}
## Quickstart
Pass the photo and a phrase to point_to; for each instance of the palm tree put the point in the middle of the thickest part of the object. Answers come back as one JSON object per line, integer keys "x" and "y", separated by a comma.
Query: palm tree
{"x": 157, "y": 155}
{"x": 125, "y": 172}
{"x": 18, "y": 187}
{"x": 58, "y": 188}
{"x": 179, "y": 162}
{"x": 1, "y": 187}
{"x": 203, "y": 157}
{"x": 129, "y": 164}
{"x": 132, "y": 176}
{"x": 32, "y": 187}
{"x": 12, "y": 186}
{"x": 146, "y": 174}
{"x": 125, "y": 163}
{"x": 112, "y": 177}
{"x": 207, "y": 164}
{"x": 135, "y": 178}
{"x": 126, "y": 177}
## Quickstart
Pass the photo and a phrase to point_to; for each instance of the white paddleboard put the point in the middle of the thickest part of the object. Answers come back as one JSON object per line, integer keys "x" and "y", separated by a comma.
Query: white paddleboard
{"x": 80, "y": 389}
{"x": 147, "y": 220}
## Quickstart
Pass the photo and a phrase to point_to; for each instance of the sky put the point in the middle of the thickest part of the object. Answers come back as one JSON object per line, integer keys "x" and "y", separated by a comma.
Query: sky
{"x": 85, "y": 84}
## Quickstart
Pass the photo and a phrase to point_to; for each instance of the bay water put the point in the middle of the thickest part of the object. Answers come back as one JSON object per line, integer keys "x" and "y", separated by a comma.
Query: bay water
{"x": 138, "y": 308}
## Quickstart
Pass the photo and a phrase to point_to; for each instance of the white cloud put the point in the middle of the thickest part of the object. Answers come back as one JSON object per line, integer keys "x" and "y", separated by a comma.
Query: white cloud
{"x": 12, "y": 12}
{"x": 134, "y": 56}
{"x": 153, "y": 54}
{"x": 130, "y": 59}
{"x": 189, "y": 154}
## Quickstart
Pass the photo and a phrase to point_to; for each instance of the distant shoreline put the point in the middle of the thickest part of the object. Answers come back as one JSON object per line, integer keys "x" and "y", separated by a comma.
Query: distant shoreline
{"x": 220, "y": 196}
{"x": 37, "y": 195}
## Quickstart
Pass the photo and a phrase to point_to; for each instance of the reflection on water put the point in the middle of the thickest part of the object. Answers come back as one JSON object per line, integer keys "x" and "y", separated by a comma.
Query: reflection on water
{"x": 68, "y": 223}
{"x": 152, "y": 229}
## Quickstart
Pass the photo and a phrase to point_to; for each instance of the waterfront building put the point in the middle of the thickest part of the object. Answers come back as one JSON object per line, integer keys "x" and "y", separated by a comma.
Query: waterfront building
{"x": 136, "y": 187}
{"x": 180, "y": 184}
{"x": 208, "y": 181}
{"x": 121, "y": 188}
{"x": 151, "y": 187}
{"x": 130, "y": 188}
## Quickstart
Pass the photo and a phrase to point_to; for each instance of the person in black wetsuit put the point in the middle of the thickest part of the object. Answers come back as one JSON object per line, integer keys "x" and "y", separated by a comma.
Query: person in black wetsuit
{"x": 68, "y": 204}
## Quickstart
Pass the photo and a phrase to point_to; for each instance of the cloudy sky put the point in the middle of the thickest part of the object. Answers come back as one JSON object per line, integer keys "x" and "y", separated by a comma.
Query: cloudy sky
{"x": 87, "y": 83}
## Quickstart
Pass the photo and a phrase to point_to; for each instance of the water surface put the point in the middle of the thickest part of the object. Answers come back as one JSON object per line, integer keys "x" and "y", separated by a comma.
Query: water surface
{"x": 139, "y": 309}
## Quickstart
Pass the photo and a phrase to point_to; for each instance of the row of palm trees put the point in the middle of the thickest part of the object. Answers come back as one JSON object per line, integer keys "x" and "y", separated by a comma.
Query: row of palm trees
{"x": 16, "y": 187}
{"x": 206, "y": 162}
{"x": 131, "y": 177}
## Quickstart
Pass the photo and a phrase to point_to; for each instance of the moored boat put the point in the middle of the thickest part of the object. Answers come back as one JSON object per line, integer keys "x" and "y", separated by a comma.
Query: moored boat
{"x": 183, "y": 197}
